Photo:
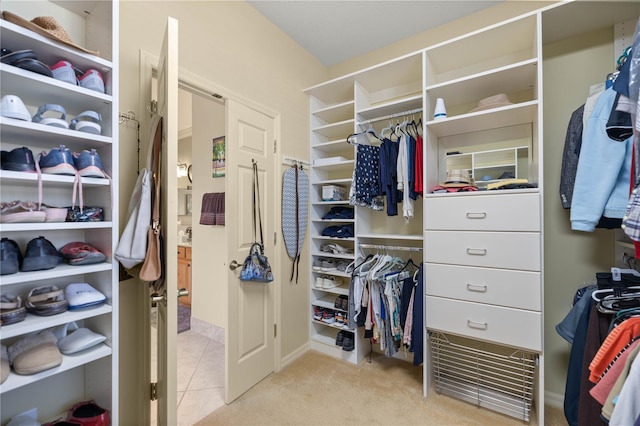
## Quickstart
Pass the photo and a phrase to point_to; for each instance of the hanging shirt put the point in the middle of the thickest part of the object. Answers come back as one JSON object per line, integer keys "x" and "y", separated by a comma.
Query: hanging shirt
{"x": 402, "y": 168}
{"x": 365, "y": 181}
{"x": 419, "y": 166}
{"x": 389, "y": 175}
{"x": 411, "y": 161}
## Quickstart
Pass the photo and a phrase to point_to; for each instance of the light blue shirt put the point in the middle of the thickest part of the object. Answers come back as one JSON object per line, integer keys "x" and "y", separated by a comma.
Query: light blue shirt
{"x": 602, "y": 181}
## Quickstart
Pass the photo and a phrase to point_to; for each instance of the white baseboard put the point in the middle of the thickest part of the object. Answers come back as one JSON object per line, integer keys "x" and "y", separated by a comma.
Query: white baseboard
{"x": 554, "y": 399}
{"x": 209, "y": 330}
{"x": 294, "y": 355}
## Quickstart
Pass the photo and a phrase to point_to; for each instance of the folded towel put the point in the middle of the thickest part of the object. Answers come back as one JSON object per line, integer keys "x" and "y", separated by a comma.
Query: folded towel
{"x": 212, "y": 212}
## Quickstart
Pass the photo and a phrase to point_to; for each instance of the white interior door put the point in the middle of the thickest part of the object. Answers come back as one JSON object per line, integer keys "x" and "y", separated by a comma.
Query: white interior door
{"x": 250, "y": 334}
{"x": 167, "y": 98}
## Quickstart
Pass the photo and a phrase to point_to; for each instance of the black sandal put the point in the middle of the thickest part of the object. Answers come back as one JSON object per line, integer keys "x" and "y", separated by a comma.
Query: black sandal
{"x": 25, "y": 59}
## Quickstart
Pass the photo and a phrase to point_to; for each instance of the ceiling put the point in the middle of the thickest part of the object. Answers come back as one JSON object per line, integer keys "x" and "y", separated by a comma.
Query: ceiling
{"x": 335, "y": 31}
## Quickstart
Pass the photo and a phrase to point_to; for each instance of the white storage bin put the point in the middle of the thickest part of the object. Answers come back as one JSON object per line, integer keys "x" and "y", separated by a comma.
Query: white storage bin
{"x": 333, "y": 193}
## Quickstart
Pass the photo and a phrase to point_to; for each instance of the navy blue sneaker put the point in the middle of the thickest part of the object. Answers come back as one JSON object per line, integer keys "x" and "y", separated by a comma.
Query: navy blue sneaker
{"x": 40, "y": 254}
{"x": 88, "y": 164}
{"x": 18, "y": 160}
{"x": 10, "y": 257}
{"x": 58, "y": 161}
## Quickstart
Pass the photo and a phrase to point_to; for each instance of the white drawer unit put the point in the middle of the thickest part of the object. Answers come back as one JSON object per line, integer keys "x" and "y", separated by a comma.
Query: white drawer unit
{"x": 507, "y": 326}
{"x": 502, "y": 287}
{"x": 508, "y": 250}
{"x": 509, "y": 212}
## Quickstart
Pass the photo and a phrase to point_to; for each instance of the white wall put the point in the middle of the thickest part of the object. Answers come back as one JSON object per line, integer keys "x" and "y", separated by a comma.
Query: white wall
{"x": 571, "y": 258}
{"x": 208, "y": 254}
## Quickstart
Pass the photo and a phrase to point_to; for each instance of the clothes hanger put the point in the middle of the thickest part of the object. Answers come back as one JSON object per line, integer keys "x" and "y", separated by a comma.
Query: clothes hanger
{"x": 365, "y": 267}
{"x": 351, "y": 139}
{"x": 611, "y": 293}
{"x": 389, "y": 128}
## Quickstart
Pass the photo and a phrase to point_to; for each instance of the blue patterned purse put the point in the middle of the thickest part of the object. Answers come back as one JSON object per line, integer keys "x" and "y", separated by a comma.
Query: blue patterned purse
{"x": 256, "y": 265}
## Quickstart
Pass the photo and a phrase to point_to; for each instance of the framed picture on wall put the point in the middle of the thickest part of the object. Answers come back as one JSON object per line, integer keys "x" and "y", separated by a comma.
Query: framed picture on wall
{"x": 218, "y": 157}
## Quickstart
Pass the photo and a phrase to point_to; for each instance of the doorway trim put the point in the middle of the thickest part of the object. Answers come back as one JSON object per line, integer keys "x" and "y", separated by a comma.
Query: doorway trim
{"x": 148, "y": 64}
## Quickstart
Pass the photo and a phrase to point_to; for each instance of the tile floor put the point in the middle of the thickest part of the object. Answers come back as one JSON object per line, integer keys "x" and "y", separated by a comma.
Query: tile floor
{"x": 200, "y": 377}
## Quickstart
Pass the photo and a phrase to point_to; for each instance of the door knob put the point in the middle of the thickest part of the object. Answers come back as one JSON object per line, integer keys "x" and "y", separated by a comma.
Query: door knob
{"x": 155, "y": 298}
{"x": 183, "y": 292}
{"x": 234, "y": 265}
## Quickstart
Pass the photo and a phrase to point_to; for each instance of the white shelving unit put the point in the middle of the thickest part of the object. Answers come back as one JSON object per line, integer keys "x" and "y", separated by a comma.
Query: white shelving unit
{"x": 351, "y": 104}
{"x": 483, "y": 250}
{"x": 473, "y": 249}
{"x": 90, "y": 374}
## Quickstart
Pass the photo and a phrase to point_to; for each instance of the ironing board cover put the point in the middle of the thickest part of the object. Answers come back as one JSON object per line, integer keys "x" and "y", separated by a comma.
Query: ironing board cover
{"x": 289, "y": 210}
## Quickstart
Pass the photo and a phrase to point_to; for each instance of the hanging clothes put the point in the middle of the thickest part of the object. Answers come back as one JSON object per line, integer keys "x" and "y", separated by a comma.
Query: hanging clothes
{"x": 402, "y": 173}
{"x": 365, "y": 181}
{"x": 389, "y": 175}
{"x": 601, "y": 338}
{"x": 419, "y": 172}
{"x": 606, "y": 192}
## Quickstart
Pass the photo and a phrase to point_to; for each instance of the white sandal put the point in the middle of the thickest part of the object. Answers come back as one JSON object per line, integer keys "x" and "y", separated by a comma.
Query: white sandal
{"x": 87, "y": 122}
{"x": 60, "y": 121}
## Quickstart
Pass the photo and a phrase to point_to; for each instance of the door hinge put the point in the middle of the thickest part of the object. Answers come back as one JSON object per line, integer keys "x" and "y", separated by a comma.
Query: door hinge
{"x": 275, "y": 331}
{"x": 154, "y": 391}
{"x": 153, "y": 107}
{"x": 275, "y": 238}
{"x": 275, "y": 145}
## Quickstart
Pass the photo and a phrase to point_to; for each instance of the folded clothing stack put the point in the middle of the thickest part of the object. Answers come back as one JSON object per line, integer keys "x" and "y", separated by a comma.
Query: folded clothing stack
{"x": 345, "y": 231}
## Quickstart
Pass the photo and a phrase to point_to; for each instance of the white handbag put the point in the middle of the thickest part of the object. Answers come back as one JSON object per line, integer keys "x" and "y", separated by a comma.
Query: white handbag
{"x": 132, "y": 247}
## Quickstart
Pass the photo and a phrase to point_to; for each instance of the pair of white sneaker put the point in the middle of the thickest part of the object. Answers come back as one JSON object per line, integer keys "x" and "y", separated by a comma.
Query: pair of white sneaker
{"x": 327, "y": 282}
{"x": 92, "y": 79}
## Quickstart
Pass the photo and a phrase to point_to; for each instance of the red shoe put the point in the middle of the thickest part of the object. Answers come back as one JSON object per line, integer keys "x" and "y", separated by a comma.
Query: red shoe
{"x": 88, "y": 413}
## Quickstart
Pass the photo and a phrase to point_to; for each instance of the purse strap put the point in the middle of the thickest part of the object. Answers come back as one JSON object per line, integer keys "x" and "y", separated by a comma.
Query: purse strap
{"x": 153, "y": 160}
{"x": 256, "y": 206}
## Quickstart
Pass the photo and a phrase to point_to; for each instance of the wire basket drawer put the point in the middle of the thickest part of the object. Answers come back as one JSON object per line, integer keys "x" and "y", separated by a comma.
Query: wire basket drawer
{"x": 490, "y": 376}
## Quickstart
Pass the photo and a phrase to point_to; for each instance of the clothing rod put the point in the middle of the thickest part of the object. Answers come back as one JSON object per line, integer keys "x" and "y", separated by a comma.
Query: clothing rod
{"x": 394, "y": 115}
{"x": 385, "y": 247}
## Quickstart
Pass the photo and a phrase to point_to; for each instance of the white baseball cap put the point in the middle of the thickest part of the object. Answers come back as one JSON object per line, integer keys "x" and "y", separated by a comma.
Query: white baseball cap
{"x": 12, "y": 106}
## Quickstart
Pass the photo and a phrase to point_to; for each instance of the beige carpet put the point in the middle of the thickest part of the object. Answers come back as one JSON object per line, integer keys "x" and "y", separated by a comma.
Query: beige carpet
{"x": 319, "y": 390}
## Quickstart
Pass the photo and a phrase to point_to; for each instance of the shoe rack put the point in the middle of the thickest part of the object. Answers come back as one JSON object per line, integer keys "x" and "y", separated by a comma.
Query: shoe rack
{"x": 332, "y": 160}
{"x": 93, "y": 373}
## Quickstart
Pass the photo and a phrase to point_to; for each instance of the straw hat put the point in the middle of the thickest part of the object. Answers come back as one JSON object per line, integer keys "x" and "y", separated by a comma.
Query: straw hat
{"x": 495, "y": 101}
{"x": 457, "y": 178}
{"x": 46, "y": 26}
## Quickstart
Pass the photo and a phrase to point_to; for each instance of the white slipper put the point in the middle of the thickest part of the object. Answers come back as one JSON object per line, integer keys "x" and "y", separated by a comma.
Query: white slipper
{"x": 51, "y": 121}
{"x": 82, "y": 295}
{"x": 79, "y": 340}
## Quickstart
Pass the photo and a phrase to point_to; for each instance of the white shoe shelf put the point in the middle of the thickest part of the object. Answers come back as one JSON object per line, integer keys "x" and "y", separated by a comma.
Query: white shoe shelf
{"x": 93, "y": 373}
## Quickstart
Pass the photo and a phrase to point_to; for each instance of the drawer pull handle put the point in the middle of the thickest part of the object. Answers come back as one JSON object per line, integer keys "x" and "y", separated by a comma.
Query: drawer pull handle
{"x": 480, "y": 288}
{"x": 481, "y": 215}
{"x": 476, "y": 252}
{"x": 477, "y": 324}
